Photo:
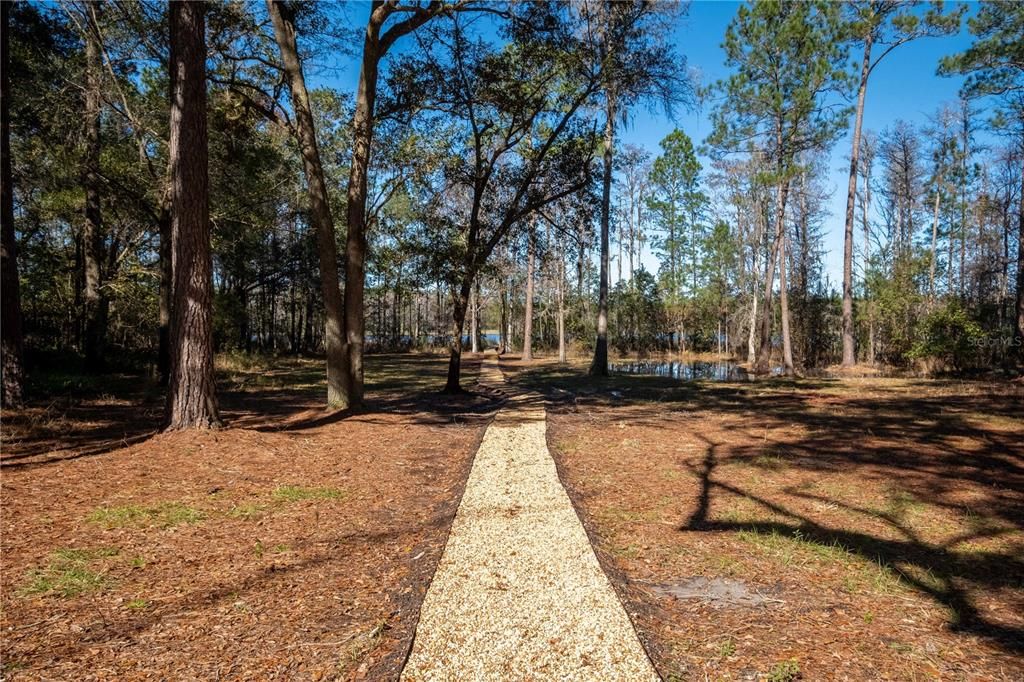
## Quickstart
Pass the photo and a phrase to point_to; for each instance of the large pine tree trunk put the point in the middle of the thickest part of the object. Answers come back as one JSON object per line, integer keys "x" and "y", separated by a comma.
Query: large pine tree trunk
{"x": 965, "y": 143}
{"x": 339, "y": 390}
{"x": 163, "y": 361}
{"x": 95, "y": 308}
{"x": 599, "y": 365}
{"x": 561, "y": 302}
{"x": 191, "y": 398}
{"x": 787, "y": 344}
{"x": 1020, "y": 270}
{"x": 13, "y": 376}
{"x": 531, "y": 255}
{"x": 759, "y": 231}
{"x": 764, "y": 350}
{"x": 849, "y": 349}
{"x": 935, "y": 240}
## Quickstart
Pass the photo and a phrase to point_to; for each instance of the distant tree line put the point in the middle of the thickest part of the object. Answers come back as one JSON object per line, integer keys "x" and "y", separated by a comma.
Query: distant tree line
{"x": 174, "y": 187}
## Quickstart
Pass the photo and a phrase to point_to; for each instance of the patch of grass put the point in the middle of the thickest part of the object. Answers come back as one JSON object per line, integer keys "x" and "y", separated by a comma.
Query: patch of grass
{"x": 726, "y": 648}
{"x": 162, "y": 515}
{"x": 727, "y": 566}
{"x": 68, "y": 573}
{"x": 784, "y": 671}
{"x": 297, "y": 493}
{"x": 247, "y": 512}
{"x": 900, "y": 503}
{"x": 734, "y": 516}
{"x": 900, "y": 647}
{"x": 769, "y": 462}
{"x": 622, "y": 515}
{"x": 796, "y": 546}
{"x": 137, "y": 604}
{"x": 671, "y": 474}
{"x": 799, "y": 549}
{"x": 626, "y": 551}
{"x": 10, "y": 666}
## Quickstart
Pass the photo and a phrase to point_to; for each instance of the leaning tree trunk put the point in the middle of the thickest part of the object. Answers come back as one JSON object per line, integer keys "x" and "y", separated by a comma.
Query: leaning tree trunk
{"x": 599, "y": 365}
{"x": 531, "y": 255}
{"x": 339, "y": 390}
{"x": 11, "y": 367}
{"x": 191, "y": 398}
{"x": 849, "y": 350}
{"x": 355, "y": 240}
{"x": 95, "y": 308}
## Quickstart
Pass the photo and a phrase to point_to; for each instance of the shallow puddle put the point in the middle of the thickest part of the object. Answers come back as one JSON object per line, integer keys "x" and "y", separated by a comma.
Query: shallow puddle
{"x": 724, "y": 370}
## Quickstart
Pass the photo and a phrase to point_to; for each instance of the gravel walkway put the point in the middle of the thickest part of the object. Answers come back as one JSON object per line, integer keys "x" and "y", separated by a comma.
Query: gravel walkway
{"x": 518, "y": 594}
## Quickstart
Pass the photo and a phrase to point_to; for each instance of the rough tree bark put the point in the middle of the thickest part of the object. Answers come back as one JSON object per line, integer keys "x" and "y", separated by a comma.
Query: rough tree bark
{"x": 531, "y": 255}
{"x": 460, "y": 301}
{"x": 166, "y": 298}
{"x": 561, "y": 302}
{"x": 935, "y": 240}
{"x": 474, "y": 320}
{"x": 355, "y": 240}
{"x": 339, "y": 389}
{"x": 11, "y": 365}
{"x": 1020, "y": 271}
{"x": 191, "y": 398}
{"x": 95, "y": 308}
{"x": 787, "y": 344}
{"x": 599, "y": 365}
{"x": 764, "y": 350}
{"x": 502, "y": 331}
{"x": 849, "y": 348}
{"x": 759, "y": 232}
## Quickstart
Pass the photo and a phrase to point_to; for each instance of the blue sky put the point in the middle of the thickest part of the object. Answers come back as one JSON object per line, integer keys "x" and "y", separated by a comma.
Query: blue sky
{"x": 904, "y": 86}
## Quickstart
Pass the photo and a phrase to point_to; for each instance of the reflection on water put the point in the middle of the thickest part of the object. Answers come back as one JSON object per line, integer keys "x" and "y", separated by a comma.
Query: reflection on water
{"x": 723, "y": 370}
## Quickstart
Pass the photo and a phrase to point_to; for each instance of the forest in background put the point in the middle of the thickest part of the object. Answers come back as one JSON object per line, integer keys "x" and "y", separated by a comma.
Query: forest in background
{"x": 474, "y": 182}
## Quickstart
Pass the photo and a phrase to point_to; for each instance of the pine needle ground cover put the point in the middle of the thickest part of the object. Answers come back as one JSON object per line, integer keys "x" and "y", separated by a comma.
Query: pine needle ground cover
{"x": 293, "y": 544}
{"x": 830, "y": 529}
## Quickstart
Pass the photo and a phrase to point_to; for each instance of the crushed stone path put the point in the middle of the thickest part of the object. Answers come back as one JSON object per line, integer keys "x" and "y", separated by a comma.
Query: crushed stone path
{"x": 518, "y": 593}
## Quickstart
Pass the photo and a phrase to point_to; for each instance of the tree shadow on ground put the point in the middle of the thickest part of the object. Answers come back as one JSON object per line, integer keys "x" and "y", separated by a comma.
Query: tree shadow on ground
{"x": 953, "y": 575}
{"x": 87, "y": 421}
{"x": 934, "y": 442}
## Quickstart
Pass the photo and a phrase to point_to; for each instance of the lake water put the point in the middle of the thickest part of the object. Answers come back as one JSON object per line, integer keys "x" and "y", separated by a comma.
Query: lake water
{"x": 723, "y": 370}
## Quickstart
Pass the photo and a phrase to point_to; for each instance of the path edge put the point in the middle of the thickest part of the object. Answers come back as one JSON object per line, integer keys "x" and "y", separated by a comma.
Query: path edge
{"x": 615, "y": 578}
{"x": 415, "y": 618}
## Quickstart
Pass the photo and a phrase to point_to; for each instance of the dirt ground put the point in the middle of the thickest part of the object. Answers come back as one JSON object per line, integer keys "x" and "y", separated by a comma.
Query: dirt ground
{"x": 292, "y": 544}
{"x": 855, "y": 529}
